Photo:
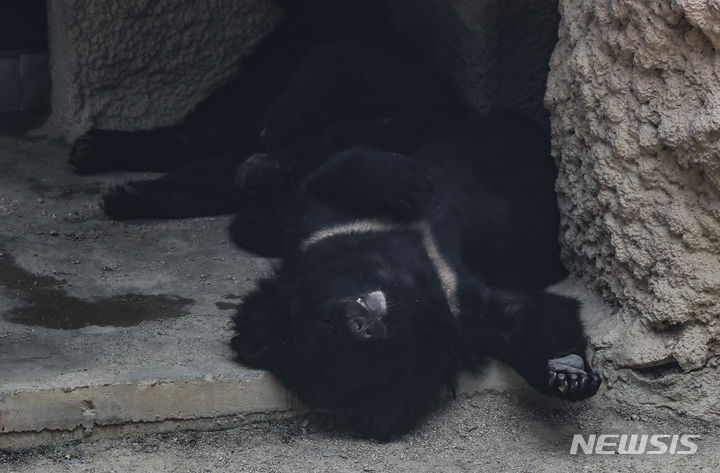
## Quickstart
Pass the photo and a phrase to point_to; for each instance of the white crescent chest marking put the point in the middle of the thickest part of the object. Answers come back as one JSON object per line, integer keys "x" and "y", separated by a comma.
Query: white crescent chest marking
{"x": 447, "y": 276}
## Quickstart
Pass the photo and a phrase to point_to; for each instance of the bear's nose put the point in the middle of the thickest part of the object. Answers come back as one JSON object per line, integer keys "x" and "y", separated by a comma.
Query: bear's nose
{"x": 376, "y": 303}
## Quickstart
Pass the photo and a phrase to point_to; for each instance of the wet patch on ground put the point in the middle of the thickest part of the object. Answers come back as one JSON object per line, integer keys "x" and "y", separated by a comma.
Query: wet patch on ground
{"x": 47, "y": 304}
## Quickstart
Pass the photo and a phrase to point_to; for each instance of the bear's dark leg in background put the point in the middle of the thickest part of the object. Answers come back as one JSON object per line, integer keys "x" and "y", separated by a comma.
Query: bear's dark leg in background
{"x": 209, "y": 187}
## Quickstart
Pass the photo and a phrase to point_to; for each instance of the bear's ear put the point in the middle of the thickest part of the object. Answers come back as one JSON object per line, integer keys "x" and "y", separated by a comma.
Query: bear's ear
{"x": 261, "y": 327}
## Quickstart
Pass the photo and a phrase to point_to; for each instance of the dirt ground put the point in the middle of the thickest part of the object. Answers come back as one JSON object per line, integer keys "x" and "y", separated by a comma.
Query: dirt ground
{"x": 491, "y": 432}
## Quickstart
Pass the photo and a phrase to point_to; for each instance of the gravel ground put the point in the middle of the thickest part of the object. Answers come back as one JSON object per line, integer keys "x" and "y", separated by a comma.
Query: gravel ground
{"x": 490, "y": 432}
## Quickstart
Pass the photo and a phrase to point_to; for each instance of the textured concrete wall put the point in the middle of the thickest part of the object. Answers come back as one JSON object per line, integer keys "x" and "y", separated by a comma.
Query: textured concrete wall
{"x": 635, "y": 111}
{"x": 142, "y": 63}
{"x": 497, "y": 51}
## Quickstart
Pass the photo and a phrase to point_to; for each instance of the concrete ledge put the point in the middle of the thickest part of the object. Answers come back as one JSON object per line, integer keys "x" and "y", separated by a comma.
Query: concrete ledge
{"x": 51, "y": 416}
{"x": 151, "y": 401}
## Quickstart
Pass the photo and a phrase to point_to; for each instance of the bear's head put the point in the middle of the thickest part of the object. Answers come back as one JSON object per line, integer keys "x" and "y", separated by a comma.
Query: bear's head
{"x": 356, "y": 333}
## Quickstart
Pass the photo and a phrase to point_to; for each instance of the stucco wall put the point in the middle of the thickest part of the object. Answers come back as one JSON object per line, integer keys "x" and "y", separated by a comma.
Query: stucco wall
{"x": 635, "y": 109}
{"x": 131, "y": 64}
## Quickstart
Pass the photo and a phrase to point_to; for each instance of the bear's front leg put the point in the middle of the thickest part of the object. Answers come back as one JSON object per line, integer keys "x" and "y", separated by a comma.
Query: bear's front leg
{"x": 540, "y": 335}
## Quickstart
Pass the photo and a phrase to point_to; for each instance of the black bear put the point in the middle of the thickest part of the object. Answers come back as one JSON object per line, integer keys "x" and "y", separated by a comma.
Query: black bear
{"x": 416, "y": 241}
{"x": 400, "y": 271}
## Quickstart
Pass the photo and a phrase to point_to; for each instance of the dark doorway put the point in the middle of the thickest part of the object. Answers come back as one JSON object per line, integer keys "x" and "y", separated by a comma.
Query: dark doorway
{"x": 24, "y": 83}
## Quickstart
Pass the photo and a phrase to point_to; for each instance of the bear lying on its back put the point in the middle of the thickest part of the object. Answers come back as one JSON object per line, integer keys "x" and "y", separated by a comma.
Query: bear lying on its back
{"x": 400, "y": 271}
{"x": 415, "y": 240}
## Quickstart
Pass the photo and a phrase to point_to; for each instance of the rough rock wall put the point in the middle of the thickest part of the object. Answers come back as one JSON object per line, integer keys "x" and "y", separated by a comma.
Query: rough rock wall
{"x": 635, "y": 110}
{"x": 131, "y": 64}
{"x": 497, "y": 51}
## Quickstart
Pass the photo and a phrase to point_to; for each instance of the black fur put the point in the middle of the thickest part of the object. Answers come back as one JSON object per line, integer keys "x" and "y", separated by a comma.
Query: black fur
{"x": 336, "y": 119}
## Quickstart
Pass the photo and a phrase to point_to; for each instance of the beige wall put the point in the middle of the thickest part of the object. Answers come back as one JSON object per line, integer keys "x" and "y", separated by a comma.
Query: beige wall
{"x": 132, "y": 64}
